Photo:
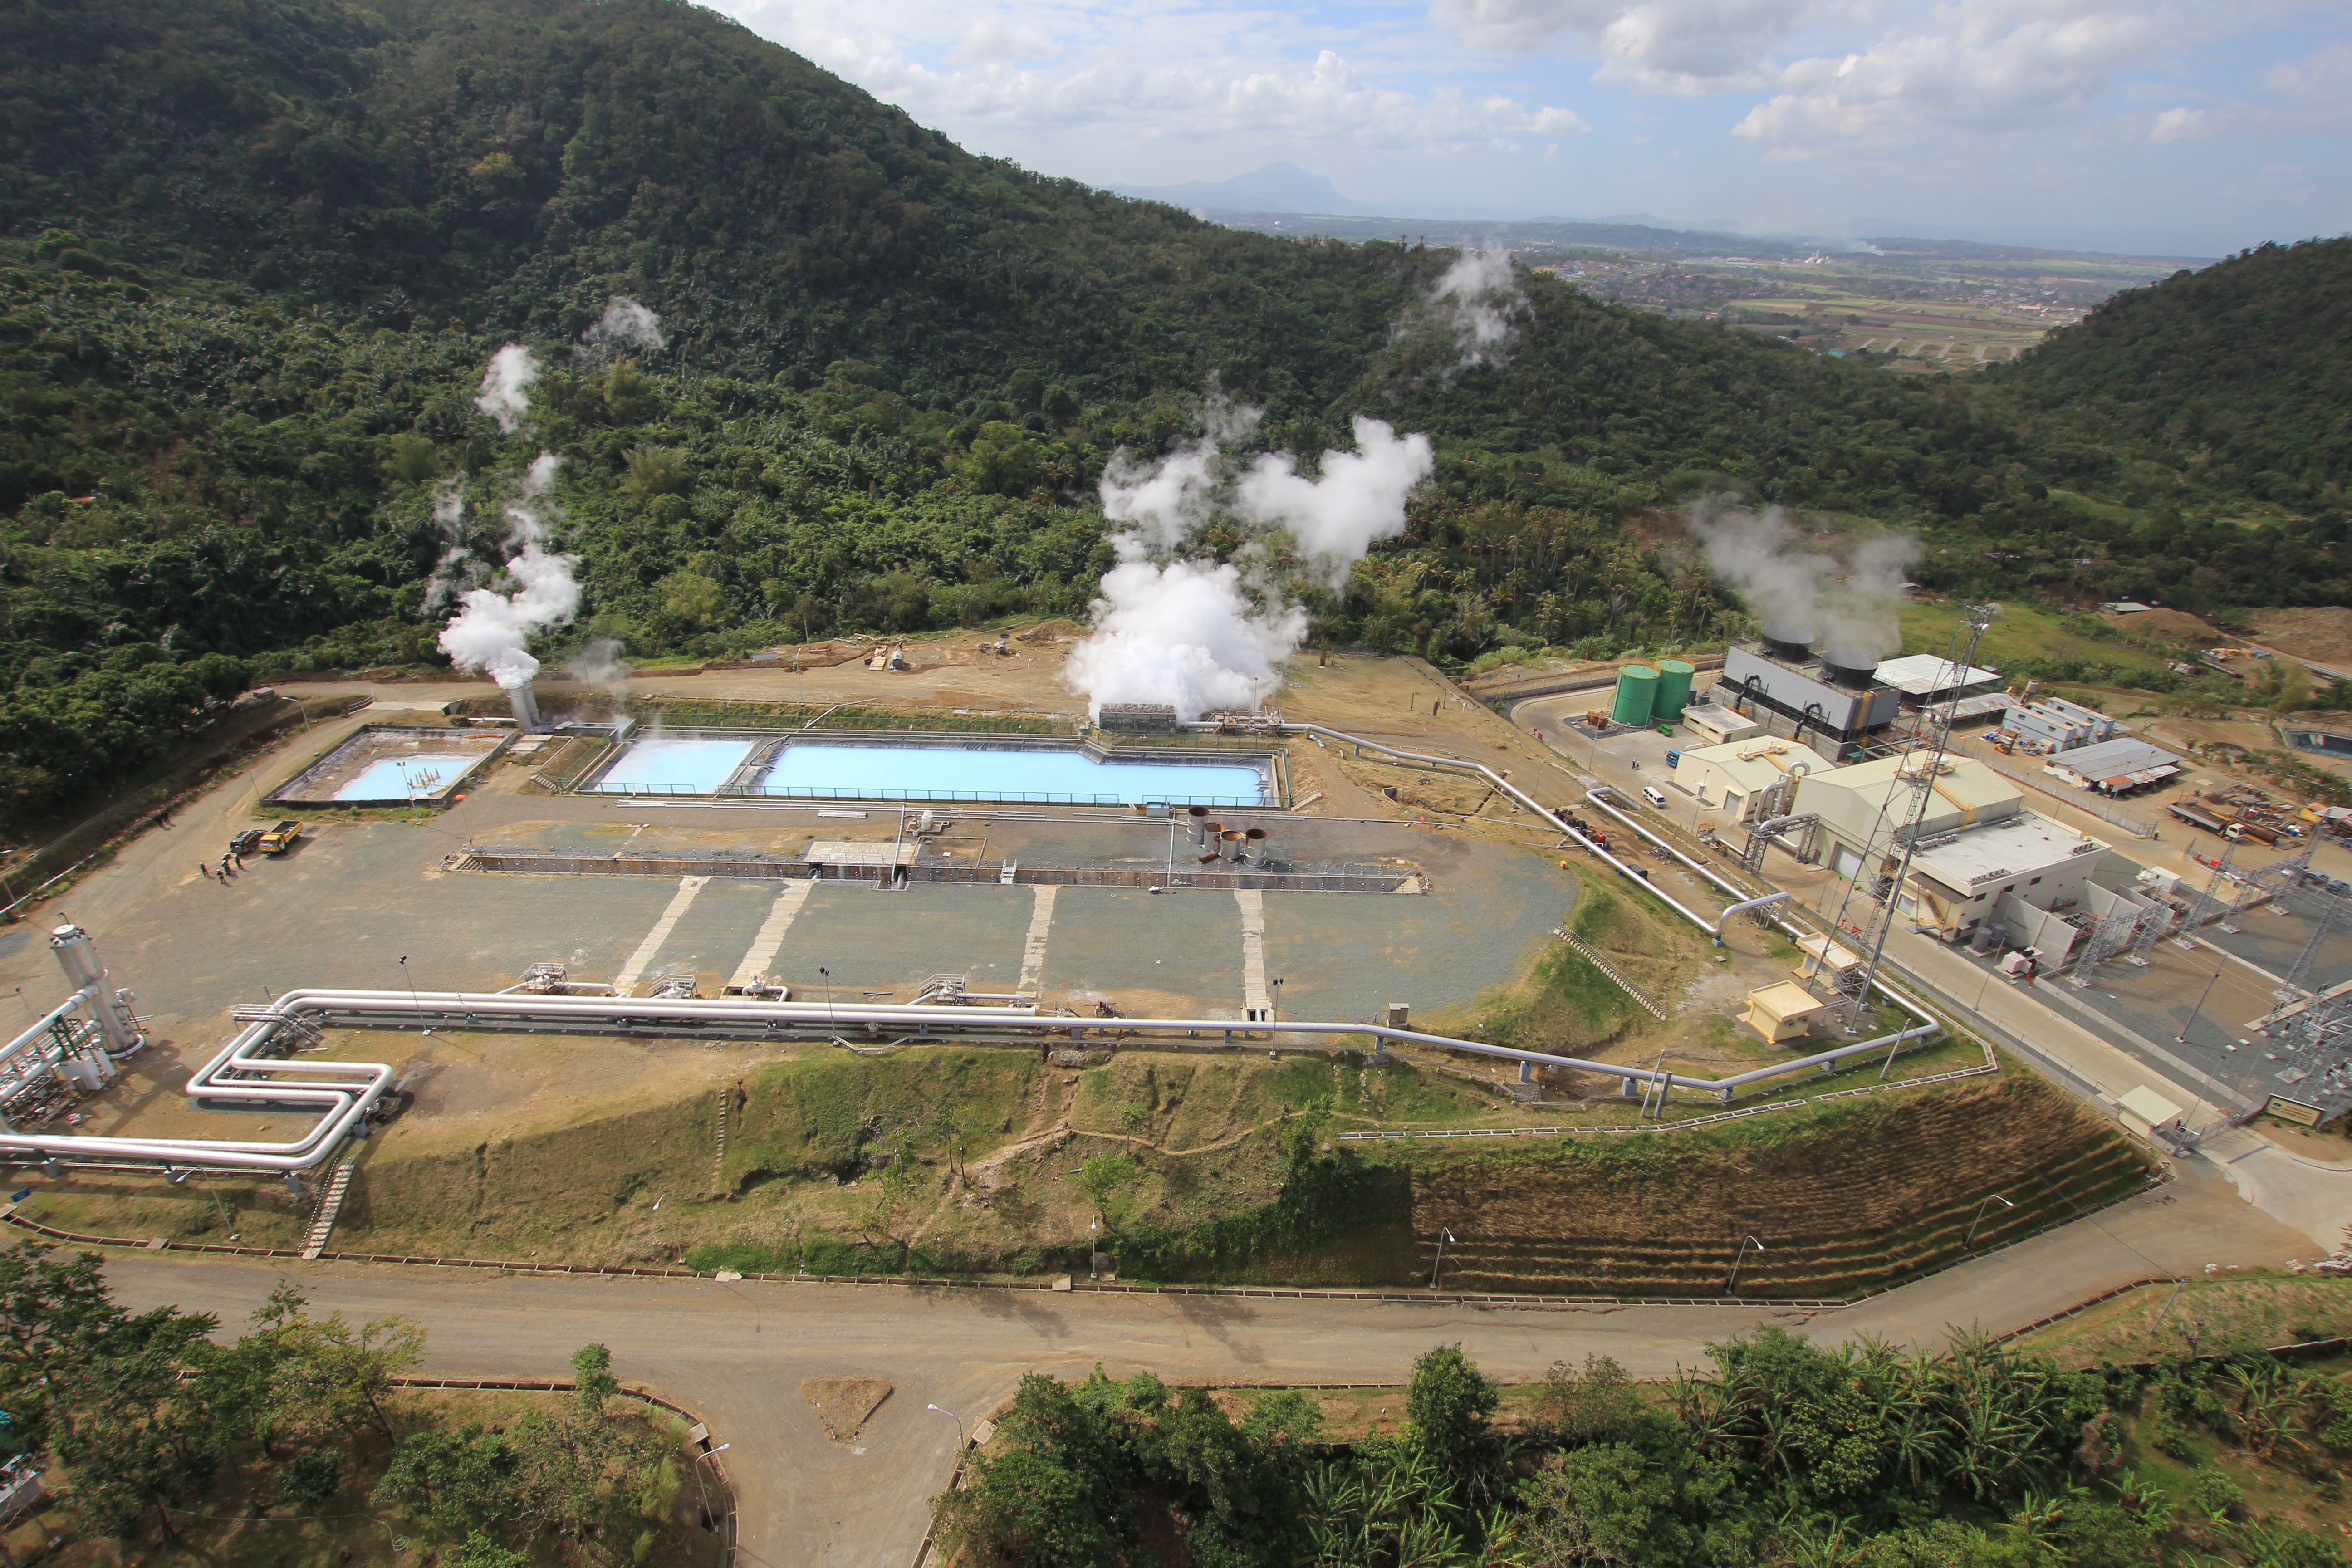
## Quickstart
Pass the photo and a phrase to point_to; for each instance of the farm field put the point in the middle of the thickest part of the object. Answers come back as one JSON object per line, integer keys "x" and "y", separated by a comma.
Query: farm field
{"x": 1923, "y": 309}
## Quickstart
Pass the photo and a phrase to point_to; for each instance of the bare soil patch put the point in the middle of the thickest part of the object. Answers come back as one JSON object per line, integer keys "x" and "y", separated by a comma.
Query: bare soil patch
{"x": 2322, "y": 632}
{"x": 2171, "y": 626}
{"x": 844, "y": 1404}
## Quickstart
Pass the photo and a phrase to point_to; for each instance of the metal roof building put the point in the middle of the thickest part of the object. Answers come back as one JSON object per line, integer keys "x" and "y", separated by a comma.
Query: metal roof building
{"x": 1922, "y": 676}
{"x": 2114, "y": 765}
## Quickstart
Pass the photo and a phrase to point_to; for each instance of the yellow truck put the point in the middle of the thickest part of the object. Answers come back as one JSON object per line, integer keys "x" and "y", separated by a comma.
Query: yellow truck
{"x": 281, "y": 839}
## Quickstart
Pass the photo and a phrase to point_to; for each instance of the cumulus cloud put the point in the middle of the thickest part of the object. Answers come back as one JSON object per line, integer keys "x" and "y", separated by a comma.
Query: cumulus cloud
{"x": 1169, "y": 73}
{"x": 2178, "y": 125}
{"x": 1653, "y": 45}
{"x": 1989, "y": 71}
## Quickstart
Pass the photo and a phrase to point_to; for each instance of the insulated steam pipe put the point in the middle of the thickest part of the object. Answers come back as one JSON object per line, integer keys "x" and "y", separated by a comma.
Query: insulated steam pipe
{"x": 1524, "y": 799}
{"x": 1594, "y": 796}
{"x": 1713, "y": 928}
{"x": 244, "y": 1075}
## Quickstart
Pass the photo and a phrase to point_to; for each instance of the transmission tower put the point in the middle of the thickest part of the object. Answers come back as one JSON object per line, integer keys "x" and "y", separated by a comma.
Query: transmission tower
{"x": 2111, "y": 935}
{"x": 2297, "y": 984}
{"x": 2162, "y": 921}
{"x": 2194, "y": 921}
{"x": 1920, "y": 775}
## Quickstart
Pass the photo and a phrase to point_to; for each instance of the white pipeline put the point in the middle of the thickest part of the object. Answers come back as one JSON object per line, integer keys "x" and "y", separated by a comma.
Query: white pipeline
{"x": 1714, "y": 927}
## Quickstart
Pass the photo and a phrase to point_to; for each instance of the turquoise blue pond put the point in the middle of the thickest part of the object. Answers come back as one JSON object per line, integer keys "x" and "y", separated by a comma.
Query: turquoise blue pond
{"x": 696, "y": 766}
{"x": 684, "y": 765}
{"x": 397, "y": 778}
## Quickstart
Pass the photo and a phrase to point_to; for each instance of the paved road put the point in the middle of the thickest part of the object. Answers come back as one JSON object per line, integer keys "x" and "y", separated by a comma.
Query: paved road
{"x": 735, "y": 1353}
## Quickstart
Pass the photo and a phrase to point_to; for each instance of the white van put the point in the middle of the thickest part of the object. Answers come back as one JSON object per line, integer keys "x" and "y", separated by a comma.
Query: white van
{"x": 1655, "y": 795}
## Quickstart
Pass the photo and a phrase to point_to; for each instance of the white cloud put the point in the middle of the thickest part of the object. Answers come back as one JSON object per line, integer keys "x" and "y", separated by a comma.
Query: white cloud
{"x": 1653, "y": 45}
{"x": 2179, "y": 125}
{"x": 996, "y": 39}
{"x": 1984, "y": 69}
{"x": 1327, "y": 102}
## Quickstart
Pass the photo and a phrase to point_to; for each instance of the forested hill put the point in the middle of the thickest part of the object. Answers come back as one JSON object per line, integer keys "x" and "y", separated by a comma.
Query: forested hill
{"x": 255, "y": 254}
{"x": 2240, "y": 375}
{"x": 508, "y": 163}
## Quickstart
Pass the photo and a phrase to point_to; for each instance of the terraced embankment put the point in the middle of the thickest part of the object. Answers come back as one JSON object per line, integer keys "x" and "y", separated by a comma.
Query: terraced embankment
{"x": 1846, "y": 1198}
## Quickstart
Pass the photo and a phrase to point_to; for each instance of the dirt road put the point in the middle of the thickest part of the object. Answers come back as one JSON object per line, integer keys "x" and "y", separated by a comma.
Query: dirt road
{"x": 735, "y": 1353}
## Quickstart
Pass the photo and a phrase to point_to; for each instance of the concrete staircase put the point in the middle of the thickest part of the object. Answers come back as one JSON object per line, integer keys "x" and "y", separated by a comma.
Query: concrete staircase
{"x": 331, "y": 1203}
{"x": 1611, "y": 970}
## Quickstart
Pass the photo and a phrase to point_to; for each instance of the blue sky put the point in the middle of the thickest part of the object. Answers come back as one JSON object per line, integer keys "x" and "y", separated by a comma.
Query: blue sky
{"x": 2196, "y": 127}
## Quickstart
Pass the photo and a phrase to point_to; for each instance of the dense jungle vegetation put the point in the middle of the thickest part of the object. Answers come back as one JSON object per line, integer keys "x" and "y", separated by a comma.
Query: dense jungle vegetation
{"x": 253, "y": 258}
{"x": 1782, "y": 1454}
{"x": 176, "y": 1442}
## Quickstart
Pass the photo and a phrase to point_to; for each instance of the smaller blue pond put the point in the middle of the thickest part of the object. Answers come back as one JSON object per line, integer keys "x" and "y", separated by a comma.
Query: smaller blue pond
{"x": 421, "y": 775}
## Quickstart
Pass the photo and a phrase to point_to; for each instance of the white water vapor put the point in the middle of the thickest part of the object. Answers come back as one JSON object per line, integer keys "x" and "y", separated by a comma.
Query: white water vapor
{"x": 1848, "y": 610}
{"x": 491, "y": 630}
{"x": 1477, "y": 301}
{"x": 506, "y": 387}
{"x": 626, "y": 324}
{"x": 1185, "y": 634}
{"x": 1202, "y": 636}
{"x": 449, "y": 523}
{"x": 1358, "y": 501}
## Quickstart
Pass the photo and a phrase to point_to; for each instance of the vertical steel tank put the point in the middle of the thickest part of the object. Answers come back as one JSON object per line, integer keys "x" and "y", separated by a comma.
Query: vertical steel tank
{"x": 1637, "y": 691}
{"x": 1674, "y": 691}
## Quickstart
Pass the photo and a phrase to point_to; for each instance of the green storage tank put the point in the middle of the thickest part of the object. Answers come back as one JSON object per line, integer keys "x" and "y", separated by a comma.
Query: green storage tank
{"x": 1637, "y": 690}
{"x": 1674, "y": 691}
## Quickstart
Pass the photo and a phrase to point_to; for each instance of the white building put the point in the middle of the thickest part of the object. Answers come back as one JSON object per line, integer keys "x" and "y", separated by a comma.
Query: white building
{"x": 1859, "y": 809}
{"x": 1978, "y": 857}
{"x": 2024, "y": 872}
{"x": 2054, "y": 724}
{"x": 1735, "y": 778}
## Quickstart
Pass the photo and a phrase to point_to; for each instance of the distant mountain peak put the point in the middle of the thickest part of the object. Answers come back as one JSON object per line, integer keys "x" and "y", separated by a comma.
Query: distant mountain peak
{"x": 1280, "y": 186}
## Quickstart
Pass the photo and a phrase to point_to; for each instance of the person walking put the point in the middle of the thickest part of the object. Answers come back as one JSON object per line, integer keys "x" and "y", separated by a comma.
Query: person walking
{"x": 240, "y": 858}
{"x": 203, "y": 870}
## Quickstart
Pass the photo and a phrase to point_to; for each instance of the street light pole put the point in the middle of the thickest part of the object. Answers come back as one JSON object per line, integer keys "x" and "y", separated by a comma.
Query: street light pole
{"x": 697, "y": 1478}
{"x": 1443, "y": 1235}
{"x": 829, "y": 1023}
{"x": 954, "y": 1417}
{"x": 2182, "y": 1038}
{"x": 1737, "y": 1258}
{"x": 1971, "y": 1236}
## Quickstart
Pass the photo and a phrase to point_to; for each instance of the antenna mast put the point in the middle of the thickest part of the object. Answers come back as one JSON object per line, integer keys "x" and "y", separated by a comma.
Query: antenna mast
{"x": 1921, "y": 777}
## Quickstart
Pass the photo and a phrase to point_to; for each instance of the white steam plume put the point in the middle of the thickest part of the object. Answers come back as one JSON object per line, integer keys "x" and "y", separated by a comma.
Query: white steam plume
{"x": 491, "y": 630}
{"x": 506, "y": 387}
{"x": 626, "y": 324}
{"x": 1477, "y": 301}
{"x": 1359, "y": 500}
{"x": 1197, "y": 635}
{"x": 1848, "y": 611}
{"x": 1185, "y": 634}
{"x": 450, "y": 523}
{"x": 1162, "y": 502}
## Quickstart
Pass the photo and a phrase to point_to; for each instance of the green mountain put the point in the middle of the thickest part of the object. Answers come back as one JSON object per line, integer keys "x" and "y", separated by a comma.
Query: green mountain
{"x": 255, "y": 254}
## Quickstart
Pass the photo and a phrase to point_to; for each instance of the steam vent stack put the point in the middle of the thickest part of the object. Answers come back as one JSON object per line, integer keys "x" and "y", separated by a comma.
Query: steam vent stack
{"x": 525, "y": 706}
{"x": 1674, "y": 691}
{"x": 1637, "y": 694}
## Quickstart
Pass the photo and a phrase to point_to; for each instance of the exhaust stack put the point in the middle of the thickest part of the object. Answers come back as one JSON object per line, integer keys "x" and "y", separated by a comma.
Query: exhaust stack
{"x": 1196, "y": 822}
{"x": 78, "y": 958}
{"x": 526, "y": 708}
